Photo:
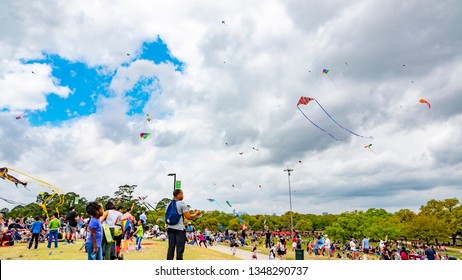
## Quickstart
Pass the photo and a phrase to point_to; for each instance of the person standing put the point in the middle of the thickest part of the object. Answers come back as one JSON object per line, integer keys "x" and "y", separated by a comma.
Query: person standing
{"x": 71, "y": 228}
{"x": 95, "y": 236}
{"x": 176, "y": 233}
{"x": 128, "y": 223}
{"x": 139, "y": 235}
{"x": 327, "y": 248}
{"x": 53, "y": 227}
{"x": 267, "y": 238}
{"x": 143, "y": 217}
{"x": 365, "y": 246}
{"x": 112, "y": 219}
{"x": 36, "y": 229}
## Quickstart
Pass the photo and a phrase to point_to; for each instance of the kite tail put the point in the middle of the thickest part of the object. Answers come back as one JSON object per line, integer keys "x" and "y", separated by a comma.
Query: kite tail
{"x": 344, "y": 128}
{"x": 333, "y": 137}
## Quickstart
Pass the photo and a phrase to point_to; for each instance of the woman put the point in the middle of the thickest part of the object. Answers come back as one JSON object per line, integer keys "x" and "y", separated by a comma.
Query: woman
{"x": 281, "y": 247}
{"x": 112, "y": 219}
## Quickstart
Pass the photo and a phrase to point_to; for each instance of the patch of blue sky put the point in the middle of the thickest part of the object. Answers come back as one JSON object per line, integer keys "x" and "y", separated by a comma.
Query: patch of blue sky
{"x": 140, "y": 94}
{"x": 85, "y": 83}
{"x": 158, "y": 52}
{"x": 88, "y": 83}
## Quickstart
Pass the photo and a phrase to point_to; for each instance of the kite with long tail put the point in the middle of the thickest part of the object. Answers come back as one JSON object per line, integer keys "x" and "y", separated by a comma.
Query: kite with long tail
{"x": 55, "y": 191}
{"x": 305, "y": 100}
{"x": 4, "y": 175}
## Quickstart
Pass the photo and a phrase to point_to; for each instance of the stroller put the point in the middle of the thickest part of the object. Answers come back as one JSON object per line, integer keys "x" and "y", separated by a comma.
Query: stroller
{"x": 7, "y": 239}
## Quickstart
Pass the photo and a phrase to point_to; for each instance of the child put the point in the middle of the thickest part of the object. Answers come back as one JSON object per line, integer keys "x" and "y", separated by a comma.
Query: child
{"x": 254, "y": 253}
{"x": 95, "y": 234}
{"x": 139, "y": 234}
{"x": 272, "y": 253}
{"x": 53, "y": 226}
{"x": 36, "y": 229}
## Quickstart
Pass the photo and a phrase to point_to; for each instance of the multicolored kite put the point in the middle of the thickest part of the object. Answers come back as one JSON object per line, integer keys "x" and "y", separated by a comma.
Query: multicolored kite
{"x": 423, "y": 101}
{"x": 305, "y": 100}
{"x": 144, "y": 135}
{"x": 369, "y": 147}
{"x": 4, "y": 175}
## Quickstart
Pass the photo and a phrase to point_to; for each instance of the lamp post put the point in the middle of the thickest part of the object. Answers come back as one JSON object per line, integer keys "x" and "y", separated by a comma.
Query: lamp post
{"x": 290, "y": 201}
{"x": 174, "y": 179}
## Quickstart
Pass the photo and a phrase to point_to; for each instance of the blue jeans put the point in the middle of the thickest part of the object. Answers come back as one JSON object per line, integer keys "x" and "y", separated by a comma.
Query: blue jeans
{"x": 53, "y": 234}
{"x": 91, "y": 255}
{"x": 138, "y": 242}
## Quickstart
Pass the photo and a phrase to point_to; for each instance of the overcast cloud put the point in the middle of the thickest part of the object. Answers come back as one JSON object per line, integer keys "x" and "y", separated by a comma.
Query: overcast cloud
{"x": 237, "y": 90}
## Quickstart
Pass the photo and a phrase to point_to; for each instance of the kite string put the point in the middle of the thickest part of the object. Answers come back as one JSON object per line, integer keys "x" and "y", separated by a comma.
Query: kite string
{"x": 333, "y": 137}
{"x": 340, "y": 124}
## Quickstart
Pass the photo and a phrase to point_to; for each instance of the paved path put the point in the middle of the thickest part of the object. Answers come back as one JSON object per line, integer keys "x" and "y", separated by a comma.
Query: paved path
{"x": 241, "y": 254}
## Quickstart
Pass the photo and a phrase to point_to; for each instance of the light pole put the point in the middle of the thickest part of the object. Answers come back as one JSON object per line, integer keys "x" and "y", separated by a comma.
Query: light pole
{"x": 290, "y": 200}
{"x": 174, "y": 179}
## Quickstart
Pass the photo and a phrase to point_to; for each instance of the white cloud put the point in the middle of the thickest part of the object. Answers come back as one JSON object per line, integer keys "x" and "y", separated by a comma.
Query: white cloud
{"x": 273, "y": 54}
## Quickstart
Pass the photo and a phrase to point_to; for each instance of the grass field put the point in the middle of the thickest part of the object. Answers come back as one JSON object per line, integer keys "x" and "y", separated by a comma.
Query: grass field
{"x": 152, "y": 250}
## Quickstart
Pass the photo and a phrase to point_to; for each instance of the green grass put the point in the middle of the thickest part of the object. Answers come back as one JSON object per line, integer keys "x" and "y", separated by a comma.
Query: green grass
{"x": 152, "y": 250}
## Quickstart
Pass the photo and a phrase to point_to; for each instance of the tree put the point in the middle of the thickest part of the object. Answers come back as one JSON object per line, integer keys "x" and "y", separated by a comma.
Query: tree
{"x": 447, "y": 210}
{"x": 125, "y": 193}
{"x": 163, "y": 203}
{"x": 427, "y": 227}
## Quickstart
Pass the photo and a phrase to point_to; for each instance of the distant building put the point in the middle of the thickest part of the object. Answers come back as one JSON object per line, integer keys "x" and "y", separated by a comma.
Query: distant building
{"x": 325, "y": 213}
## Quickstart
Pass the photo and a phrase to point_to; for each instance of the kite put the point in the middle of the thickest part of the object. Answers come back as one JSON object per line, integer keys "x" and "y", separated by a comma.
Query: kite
{"x": 259, "y": 186}
{"x": 229, "y": 204}
{"x": 224, "y": 22}
{"x": 255, "y": 149}
{"x": 369, "y": 147}
{"x": 241, "y": 153}
{"x": 12, "y": 201}
{"x": 4, "y": 175}
{"x": 423, "y": 101}
{"x": 18, "y": 117}
{"x": 142, "y": 200}
{"x": 55, "y": 191}
{"x": 233, "y": 186}
{"x": 144, "y": 135}
{"x": 305, "y": 100}
{"x": 211, "y": 199}
{"x": 148, "y": 118}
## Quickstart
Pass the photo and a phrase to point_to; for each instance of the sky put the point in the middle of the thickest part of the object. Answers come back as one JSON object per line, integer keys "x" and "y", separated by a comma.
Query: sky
{"x": 220, "y": 82}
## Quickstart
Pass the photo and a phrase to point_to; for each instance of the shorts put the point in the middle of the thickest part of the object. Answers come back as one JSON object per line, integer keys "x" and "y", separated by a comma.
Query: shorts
{"x": 71, "y": 230}
{"x": 366, "y": 251}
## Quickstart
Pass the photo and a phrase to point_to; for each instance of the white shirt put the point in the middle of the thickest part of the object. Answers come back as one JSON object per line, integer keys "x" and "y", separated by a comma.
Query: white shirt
{"x": 352, "y": 245}
{"x": 327, "y": 243}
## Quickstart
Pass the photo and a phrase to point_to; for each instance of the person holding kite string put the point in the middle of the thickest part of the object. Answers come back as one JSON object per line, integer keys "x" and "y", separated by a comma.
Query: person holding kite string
{"x": 176, "y": 229}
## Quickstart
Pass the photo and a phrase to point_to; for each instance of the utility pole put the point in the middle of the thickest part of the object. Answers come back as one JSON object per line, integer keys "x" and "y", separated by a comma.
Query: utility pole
{"x": 174, "y": 179}
{"x": 288, "y": 170}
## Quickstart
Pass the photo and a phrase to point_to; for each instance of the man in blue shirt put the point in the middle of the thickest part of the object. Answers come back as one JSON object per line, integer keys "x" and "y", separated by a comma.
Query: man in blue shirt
{"x": 365, "y": 246}
{"x": 36, "y": 229}
{"x": 430, "y": 253}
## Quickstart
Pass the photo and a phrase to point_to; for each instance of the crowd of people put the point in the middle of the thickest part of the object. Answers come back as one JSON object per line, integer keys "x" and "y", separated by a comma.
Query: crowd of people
{"x": 106, "y": 233}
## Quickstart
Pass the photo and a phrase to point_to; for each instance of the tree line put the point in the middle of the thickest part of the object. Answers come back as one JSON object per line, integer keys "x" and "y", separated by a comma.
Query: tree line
{"x": 436, "y": 220}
